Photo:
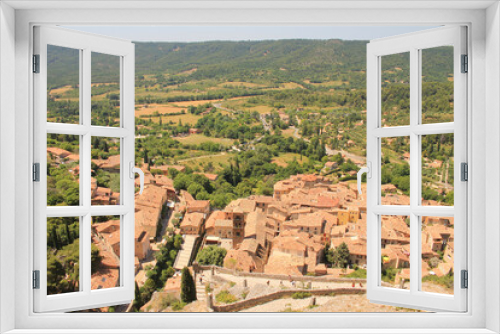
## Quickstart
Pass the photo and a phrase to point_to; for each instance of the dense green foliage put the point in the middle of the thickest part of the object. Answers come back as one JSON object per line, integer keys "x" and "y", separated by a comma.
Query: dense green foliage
{"x": 160, "y": 273}
{"x": 446, "y": 280}
{"x": 301, "y": 295}
{"x": 337, "y": 257}
{"x": 225, "y": 297}
{"x": 188, "y": 287}
{"x": 211, "y": 255}
{"x": 358, "y": 273}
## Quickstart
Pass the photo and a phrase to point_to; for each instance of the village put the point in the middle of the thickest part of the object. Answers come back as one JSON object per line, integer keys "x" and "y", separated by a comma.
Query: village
{"x": 280, "y": 238}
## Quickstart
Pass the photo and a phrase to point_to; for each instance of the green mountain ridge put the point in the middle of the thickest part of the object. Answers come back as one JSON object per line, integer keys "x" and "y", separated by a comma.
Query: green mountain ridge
{"x": 274, "y": 61}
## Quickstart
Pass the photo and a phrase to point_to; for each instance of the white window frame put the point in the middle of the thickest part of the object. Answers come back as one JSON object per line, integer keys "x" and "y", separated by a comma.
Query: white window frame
{"x": 412, "y": 44}
{"x": 85, "y": 44}
{"x": 484, "y": 50}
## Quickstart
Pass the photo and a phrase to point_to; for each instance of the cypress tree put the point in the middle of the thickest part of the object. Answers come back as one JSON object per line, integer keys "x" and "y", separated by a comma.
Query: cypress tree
{"x": 138, "y": 303}
{"x": 188, "y": 287}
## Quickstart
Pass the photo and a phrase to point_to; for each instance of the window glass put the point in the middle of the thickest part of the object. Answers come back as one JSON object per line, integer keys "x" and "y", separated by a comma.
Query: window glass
{"x": 395, "y": 251}
{"x": 437, "y": 85}
{"x": 105, "y": 248}
{"x": 105, "y": 89}
{"x": 437, "y": 254}
{"x": 106, "y": 178}
{"x": 438, "y": 171}
{"x": 395, "y": 83}
{"x": 63, "y": 85}
{"x": 395, "y": 177}
{"x": 63, "y": 255}
{"x": 63, "y": 170}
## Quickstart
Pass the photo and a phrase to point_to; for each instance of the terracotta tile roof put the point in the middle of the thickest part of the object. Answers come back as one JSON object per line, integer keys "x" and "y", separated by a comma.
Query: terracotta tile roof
{"x": 249, "y": 245}
{"x": 152, "y": 196}
{"x": 140, "y": 234}
{"x": 255, "y": 221}
{"x": 288, "y": 243}
{"x": 216, "y": 215}
{"x": 197, "y": 205}
{"x": 223, "y": 223}
{"x": 439, "y": 232}
{"x": 58, "y": 152}
{"x": 112, "y": 162}
{"x": 240, "y": 260}
{"x": 73, "y": 157}
{"x": 107, "y": 227}
{"x": 146, "y": 216}
{"x": 397, "y": 252}
{"x": 194, "y": 219}
{"x": 105, "y": 278}
{"x": 282, "y": 265}
{"x": 173, "y": 284}
{"x": 394, "y": 228}
{"x": 164, "y": 181}
{"x": 263, "y": 199}
{"x": 245, "y": 205}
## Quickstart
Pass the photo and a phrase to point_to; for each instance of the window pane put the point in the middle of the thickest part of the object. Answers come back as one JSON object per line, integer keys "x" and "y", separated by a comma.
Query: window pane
{"x": 395, "y": 251}
{"x": 105, "y": 89}
{"x": 105, "y": 254}
{"x": 63, "y": 170}
{"x": 395, "y": 86}
{"x": 437, "y": 85}
{"x": 395, "y": 177}
{"x": 437, "y": 254}
{"x": 63, "y": 85}
{"x": 63, "y": 255}
{"x": 437, "y": 169}
{"x": 105, "y": 188}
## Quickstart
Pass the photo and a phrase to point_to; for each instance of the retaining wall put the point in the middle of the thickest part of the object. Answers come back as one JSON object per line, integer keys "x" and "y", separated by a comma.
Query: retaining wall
{"x": 283, "y": 277}
{"x": 247, "y": 303}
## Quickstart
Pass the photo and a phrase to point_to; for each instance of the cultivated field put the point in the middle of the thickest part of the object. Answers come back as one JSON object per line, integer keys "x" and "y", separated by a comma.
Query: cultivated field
{"x": 199, "y": 138}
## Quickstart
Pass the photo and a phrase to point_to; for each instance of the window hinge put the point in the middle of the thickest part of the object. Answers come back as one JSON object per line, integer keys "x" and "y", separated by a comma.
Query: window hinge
{"x": 465, "y": 279}
{"x": 36, "y": 172}
{"x": 465, "y": 64}
{"x": 464, "y": 174}
{"x": 36, "y": 279}
{"x": 36, "y": 63}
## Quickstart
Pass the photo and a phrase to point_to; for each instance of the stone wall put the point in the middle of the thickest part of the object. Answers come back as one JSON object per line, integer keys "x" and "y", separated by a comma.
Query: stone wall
{"x": 244, "y": 304}
{"x": 283, "y": 277}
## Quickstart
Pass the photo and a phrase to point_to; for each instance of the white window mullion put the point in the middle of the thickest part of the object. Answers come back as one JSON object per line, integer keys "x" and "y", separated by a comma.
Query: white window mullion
{"x": 415, "y": 169}
{"x": 40, "y": 156}
{"x": 85, "y": 297}
{"x": 433, "y": 129}
{"x": 413, "y": 43}
{"x": 127, "y": 107}
{"x": 85, "y": 254}
{"x": 85, "y": 173}
{"x": 460, "y": 156}
{"x": 373, "y": 188}
{"x": 396, "y": 131}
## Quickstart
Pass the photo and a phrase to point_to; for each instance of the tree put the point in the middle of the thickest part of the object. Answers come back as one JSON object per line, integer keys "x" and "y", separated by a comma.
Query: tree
{"x": 95, "y": 257}
{"x": 211, "y": 255}
{"x": 138, "y": 298}
{"x": 329, "y": 254}
{"x": 188, "y": 287}
{"x": 342, "y": 255}
{"x": 434, "y": 262}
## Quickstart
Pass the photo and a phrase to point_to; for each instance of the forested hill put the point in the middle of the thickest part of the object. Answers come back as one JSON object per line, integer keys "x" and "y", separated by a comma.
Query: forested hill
{"x": 275, "y": 61}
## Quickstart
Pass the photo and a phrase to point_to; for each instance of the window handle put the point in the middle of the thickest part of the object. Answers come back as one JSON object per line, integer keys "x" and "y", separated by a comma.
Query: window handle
{"x": 368, "y": 171}
{"x": 134, "y": 170}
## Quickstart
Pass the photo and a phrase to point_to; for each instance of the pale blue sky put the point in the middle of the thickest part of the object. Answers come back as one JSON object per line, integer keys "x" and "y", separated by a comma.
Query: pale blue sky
{"x": 239, "y": 33}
